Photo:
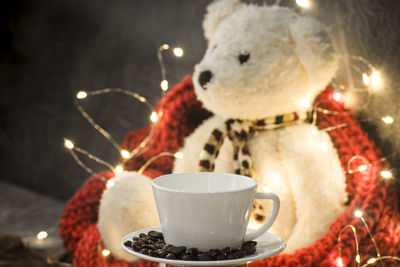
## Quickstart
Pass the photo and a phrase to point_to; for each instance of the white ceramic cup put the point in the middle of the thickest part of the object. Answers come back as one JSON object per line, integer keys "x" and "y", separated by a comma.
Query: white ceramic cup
{"x": 208, "y": 210}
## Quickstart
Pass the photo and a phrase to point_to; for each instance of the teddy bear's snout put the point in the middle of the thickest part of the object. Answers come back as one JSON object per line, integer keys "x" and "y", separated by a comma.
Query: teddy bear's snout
{"x": 204, "y": 78}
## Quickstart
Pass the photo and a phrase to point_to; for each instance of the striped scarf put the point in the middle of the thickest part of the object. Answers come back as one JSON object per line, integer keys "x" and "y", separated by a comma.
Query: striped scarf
{"x": 239, "y": 131}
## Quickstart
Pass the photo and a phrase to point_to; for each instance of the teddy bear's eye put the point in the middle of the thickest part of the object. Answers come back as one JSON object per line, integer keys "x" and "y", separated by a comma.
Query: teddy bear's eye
{"x": 243, "y": 58}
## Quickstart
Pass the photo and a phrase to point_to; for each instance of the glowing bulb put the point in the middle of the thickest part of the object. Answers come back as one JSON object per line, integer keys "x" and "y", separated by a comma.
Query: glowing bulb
{"x": 119, "y": 169}
{"x": 165, "y": 47}
{"x": 154, "y": 116}
{"x": 358, "y": 260}
{"x": 41, "y": 235}
{"x": 125, "y": 154}
{"x": 105, "y": 252}
{"x": 315, "y": 132}
{"x": 276, "y": 176}
{"x": 68, "y": 144}
{"x": 371, "y": 260}
{"x": 362, "y": 168}
{"x": 110, "y": 183}
{"x": 358, "y": 213}
{"x": 387, "y": 119}
{"x": 267, "y": 189}
{"x": 366, "y": 79}
{"x": 376, "y": 79}
{"x": 351, "y": 100}
{"x": 387, "y": 174}
{"x": 178, "y": 52}
{"x": 303, "y": 3}
{"x": 275, "y": 179}
{"x": 339, "y": 262}
{"x": 178, "y": 155}
{"x": 337, "y": 96}
{"x": 304, "y": 103}
{"x": 81, "y": 95}
{"x": 164, "y": 85}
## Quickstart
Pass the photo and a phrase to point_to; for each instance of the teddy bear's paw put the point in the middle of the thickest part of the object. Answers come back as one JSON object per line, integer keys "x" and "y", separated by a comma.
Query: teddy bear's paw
{"x": 126, "y": 205}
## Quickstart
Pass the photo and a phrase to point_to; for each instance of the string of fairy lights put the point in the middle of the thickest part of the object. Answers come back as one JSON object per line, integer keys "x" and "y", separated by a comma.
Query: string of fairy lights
{"x": 373, "y": 81}
{"x": 154, "y": 118}
{"x": 369, "y": 77}
{"x": 339, "y": 260}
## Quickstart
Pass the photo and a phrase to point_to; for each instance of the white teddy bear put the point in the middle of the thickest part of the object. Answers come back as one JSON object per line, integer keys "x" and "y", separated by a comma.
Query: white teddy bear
{"x": 266, "y": 63}
{"x": 263, "y": 68}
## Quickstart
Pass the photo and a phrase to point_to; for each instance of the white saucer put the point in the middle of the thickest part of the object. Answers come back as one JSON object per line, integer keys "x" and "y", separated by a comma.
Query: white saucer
{"x": 268, "y": 245}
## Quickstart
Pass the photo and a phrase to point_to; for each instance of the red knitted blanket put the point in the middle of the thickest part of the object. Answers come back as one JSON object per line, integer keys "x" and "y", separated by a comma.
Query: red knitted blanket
{"x": 374, "y": 196}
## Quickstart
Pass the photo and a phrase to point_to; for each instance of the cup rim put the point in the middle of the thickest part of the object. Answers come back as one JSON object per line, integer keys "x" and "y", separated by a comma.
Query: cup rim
{"x": 160, "y": 187}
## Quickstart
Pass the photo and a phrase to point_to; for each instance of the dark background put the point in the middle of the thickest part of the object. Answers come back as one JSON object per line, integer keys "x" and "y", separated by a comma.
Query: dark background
{"x": 50, "y": 49}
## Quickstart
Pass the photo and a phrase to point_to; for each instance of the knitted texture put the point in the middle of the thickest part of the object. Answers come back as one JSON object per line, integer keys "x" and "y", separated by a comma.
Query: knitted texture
{"x": 239, "y": 131}
{"x": 374, "y": 196}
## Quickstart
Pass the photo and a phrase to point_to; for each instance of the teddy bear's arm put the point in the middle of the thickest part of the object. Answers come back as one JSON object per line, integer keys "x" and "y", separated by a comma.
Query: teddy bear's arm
{"x": 317, "y": 181}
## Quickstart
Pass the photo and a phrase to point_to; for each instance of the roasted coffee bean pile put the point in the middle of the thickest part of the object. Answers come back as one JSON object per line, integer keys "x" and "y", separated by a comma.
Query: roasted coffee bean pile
{"x": 153, "y": 244}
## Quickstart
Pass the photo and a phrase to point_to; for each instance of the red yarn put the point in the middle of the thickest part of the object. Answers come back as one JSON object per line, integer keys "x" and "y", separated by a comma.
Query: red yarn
{"x": 376, "y": 198}
{"x": 81, "y": 210}
{"x": 89, "y": 248}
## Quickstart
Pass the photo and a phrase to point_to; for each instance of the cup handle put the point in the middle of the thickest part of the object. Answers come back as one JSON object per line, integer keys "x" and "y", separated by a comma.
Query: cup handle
{"x": 268, "y": 223}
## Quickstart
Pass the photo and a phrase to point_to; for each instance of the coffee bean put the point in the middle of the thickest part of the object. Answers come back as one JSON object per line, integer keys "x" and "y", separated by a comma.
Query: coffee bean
{"x": 179, "y": 250}
{"x": 128, "y": 243}
{"x": 154, "y": 240}
{"x": 187, "y": 257}
{"x": 234, "y": 250}
{"x": 137, "y": 243}
{"x": 152, "y": 253}
{"x": 148, "y": 246}
{"x": 144, "y": 251}
{"x": 136, "y": 248}
{"x": 232, "y": 256}
{"x": 146, "y": 241}
{"x": 226, "y": 250}
{"x": 252, "y": 243}
{"x": 153, "y": 244}
{"x": 155, "y": 234}
{"x": 170, "y": 256}
{"x": 159, "y": 244}
{"x": 213, "y": 253}
{"x": 142, "y": 236}
{"x": 203, "y": 257}
{"x": 168, "y": 247}
{"x": 220, "y": 257}
{"x": 161, "y": 253}
{"x": 192, "y": 251}
{"x": 250, "y": 251}
{"x": 240, "y": 254}
{"x": 150, "y": 241}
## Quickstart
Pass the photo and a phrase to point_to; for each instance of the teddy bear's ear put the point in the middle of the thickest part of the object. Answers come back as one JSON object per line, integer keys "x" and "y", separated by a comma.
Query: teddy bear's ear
{"x": 314, "y": 49}
{"x": 217, "y": 11}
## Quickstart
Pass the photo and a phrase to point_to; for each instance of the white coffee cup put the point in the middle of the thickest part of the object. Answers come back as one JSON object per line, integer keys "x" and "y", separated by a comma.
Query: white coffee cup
{"x": 208, "y": 210}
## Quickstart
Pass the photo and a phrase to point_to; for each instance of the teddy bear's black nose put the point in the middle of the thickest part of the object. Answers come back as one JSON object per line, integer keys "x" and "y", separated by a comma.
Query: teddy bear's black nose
{"x": 205, "y": 77}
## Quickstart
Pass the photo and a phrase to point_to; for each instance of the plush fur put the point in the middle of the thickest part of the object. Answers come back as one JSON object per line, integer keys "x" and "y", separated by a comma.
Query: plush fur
{"x": 291, "y": 60}
{"x": 126, "y": 206}
{"x": 216, "y": 12}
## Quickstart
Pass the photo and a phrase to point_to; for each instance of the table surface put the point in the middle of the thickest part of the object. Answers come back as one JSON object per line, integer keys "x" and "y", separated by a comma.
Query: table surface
{"x": 25, "y": 213}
